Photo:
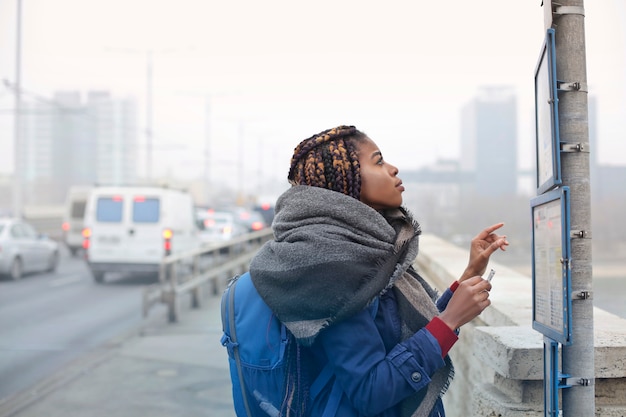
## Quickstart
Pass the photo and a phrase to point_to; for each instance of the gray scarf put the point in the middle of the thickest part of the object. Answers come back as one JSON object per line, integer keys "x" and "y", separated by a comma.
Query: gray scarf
{"x": 333, "y": 255}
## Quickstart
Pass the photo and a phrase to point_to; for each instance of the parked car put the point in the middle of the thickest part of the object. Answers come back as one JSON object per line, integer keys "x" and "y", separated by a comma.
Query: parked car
{"x": 23, "y": 250}
{"x": 267, "y": 211}
{"x": 219, "y": 226}
{"x": 251, "y": 219}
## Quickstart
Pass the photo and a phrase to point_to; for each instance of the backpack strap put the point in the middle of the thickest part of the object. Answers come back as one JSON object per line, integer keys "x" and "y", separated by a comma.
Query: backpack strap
{"x": 334, "y": 399}
{"x": 235, "y": 344}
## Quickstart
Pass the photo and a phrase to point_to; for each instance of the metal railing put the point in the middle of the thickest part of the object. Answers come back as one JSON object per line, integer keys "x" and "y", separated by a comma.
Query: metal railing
{"x": 193, "y": 272}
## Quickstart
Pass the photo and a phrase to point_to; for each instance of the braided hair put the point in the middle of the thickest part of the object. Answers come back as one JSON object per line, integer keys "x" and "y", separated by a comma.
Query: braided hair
{"x": 329, "y": 160}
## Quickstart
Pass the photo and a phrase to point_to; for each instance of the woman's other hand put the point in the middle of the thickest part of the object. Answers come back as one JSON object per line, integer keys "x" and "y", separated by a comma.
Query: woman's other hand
{"x": 482, "y": 246}
{"x": 469, "y": 300}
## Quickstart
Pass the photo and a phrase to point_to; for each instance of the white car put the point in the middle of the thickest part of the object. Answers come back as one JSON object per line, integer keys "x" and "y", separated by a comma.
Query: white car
{"x": 219, "y": 226}
{"x": 23, "y": 250}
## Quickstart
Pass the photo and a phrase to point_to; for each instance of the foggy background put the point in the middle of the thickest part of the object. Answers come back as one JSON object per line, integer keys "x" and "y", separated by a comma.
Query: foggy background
{"x": 215, "y": 96}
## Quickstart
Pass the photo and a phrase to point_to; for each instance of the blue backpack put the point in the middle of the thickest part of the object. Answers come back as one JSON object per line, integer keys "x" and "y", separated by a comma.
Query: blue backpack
{"x": 257, "y": 343}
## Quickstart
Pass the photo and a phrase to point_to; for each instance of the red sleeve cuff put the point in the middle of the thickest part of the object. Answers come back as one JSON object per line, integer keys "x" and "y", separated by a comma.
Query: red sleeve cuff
{"x": 454, "y": 286}
{"x": 444, "y": 335}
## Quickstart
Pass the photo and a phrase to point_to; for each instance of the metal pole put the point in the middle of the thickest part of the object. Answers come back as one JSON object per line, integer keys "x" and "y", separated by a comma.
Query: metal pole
{"x": 149, "y": 115}
{"x": 240, "y": 164}
{"x": 207, "y": 150}
{"x": 578, "y": 358}
{"x": 17, "y": 145}
{"x": 259, "y": 189}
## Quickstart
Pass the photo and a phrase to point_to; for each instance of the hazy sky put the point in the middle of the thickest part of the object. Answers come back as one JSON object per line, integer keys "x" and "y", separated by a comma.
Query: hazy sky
{"x": 277, "y": 72}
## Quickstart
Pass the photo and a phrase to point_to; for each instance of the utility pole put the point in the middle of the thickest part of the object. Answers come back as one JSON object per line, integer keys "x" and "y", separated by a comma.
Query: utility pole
{"x": 149, "y": 115}
{"x": 17, "y": 128}
{"x": 240, "y": 164}
{"x": 207, "y": 149}
{"x": 578, "y": 358}
{"x": 149, "y": 131}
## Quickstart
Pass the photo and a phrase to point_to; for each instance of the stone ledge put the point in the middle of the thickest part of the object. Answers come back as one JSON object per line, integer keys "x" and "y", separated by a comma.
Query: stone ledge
{"x": 488, "y": 401}
{"x": 516, "y": 352}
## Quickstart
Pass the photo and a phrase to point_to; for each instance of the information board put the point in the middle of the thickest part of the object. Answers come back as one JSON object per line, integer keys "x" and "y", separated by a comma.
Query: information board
{"x": 548, "y": 155}
{"x": 550, "y": 266}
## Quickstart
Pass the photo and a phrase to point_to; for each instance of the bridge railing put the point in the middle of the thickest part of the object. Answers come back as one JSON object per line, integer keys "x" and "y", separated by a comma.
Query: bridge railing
{"x": 207, "y": 268}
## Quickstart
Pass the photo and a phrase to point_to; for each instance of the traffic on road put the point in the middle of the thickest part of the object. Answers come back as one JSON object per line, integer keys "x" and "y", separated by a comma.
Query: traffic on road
{"x": 55, "y": 307}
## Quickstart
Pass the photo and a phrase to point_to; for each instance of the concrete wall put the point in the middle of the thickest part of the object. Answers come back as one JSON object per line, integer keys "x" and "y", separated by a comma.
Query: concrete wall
{"x": 499, "y": 356}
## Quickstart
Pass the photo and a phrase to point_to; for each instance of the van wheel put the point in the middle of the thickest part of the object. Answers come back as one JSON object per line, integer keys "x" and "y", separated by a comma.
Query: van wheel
{"x": 16, "y": 271}
{"x": 99, "y": 277}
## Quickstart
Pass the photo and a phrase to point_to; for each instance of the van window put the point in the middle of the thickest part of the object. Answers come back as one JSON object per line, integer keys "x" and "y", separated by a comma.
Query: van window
{"x": 146, "y": 210}
{"x": 109, "y": 209}
{"x": 78, "y": 209}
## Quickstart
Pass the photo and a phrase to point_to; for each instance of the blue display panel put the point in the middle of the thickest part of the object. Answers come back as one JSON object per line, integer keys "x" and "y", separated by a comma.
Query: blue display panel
{"x": 548, "y": 162}
{"x": 551, "y": 272}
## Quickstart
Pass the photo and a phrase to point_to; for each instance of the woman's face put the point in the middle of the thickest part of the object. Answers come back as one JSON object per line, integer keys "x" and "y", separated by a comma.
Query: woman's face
{"x": 380, "y": 186}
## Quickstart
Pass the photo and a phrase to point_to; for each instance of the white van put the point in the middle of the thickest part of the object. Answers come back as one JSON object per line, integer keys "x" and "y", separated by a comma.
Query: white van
{"x": 73, "y": 217}
{"x": 130, "y": 229}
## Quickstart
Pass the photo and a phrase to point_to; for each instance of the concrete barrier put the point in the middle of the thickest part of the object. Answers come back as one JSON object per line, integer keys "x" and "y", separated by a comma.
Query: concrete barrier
{"x": 499, "y": 356}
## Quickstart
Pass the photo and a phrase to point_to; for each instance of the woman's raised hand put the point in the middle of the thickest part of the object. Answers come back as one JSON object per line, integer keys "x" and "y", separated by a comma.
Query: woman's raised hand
{"x": 482, "y": 246}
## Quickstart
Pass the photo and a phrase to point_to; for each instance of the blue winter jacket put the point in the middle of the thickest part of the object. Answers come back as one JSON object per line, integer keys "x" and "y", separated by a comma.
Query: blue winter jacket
{"x": 375, "y": 371}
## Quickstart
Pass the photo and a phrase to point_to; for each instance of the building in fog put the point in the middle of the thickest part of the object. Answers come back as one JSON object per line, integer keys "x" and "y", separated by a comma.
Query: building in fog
{"x": 442, "y": 195}
{"x": 71, "y": 141}
{"x": 433, "y": 194}
{"x": 489, "y": 142}
{"x": 114, "y": 130}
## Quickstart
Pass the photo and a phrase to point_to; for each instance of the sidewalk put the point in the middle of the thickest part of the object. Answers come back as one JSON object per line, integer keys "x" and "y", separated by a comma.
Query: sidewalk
{"x": 162, "y": 370}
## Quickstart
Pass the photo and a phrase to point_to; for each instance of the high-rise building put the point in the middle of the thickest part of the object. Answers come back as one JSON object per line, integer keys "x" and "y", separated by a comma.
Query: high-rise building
{"x": 114, "y": 132}
{"x": 74, "y": 153}
{"x": 36, "y": 153}
{"x": 70, "y": 142}
{"x": 489, "y": 142}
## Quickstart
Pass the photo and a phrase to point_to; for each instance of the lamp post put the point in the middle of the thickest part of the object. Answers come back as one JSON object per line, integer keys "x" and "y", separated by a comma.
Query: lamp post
{"x": 149, "y": 136}
{"x": 149, "y": 132}
{"x": 17, "y": 165}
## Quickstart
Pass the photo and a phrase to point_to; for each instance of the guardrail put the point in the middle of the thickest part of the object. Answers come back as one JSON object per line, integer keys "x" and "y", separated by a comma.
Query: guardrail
{"x": 190, "y": 272}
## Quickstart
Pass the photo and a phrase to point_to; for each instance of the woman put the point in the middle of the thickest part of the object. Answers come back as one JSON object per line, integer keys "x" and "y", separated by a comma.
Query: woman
{"x": 339, "y": 274}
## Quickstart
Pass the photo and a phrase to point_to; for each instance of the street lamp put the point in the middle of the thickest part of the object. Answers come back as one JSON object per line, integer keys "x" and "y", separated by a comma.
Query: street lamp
{"x": 149, "y": 98}
{"x": 17, "y": 166}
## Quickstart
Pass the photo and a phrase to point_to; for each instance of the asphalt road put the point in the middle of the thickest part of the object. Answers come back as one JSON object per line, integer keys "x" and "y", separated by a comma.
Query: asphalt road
{"x": 48, "y": 320}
